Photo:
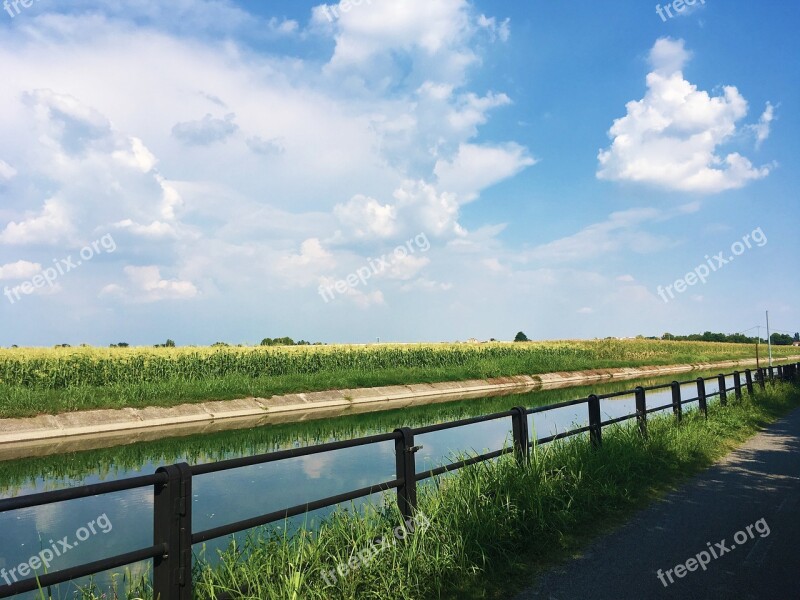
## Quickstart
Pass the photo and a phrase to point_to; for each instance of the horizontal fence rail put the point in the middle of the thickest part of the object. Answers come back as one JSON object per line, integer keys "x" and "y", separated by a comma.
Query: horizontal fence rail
{"x": 173, "y": 535}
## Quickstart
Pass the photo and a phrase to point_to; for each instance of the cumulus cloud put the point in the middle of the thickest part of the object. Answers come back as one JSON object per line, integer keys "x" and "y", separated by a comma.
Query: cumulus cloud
{"x": 306, "y": 266}
{"x": 68, "y": 123}
{"x": 49, "y": 226}
{"x": 416, "y": 207}
{"x": 22, "y": 269}
{"x": 367, "y": 218}
{"x": 672, "y": 137}
{"x": 225, "y": 218}
{"x": 145, "y": 284}
{"x": 136, "y": 156}
{"x": 206, "y": 131}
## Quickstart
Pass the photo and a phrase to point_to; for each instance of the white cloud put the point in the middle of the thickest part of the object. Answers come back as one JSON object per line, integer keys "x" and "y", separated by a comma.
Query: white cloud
{"x": 305, "y": 267}
{"x": 156, "y": 229}
{"x": 284, "y": 26}
{"x": 764, "y": 125}
{"x": 49, "y": 226}
{"x": 586, "y": 310}
{"x": 249, "y": 206}
{"x": 136, "y": 156}
{"x": 477, "y": 167}
{"x": 672, "y": 136}
{"x": 501, "y": 30}
{"x": 620, "y": 231}
{"x": 367, "y": 218}
{"x": 22, "y": 269}
{"x": 147, "y": 285}
{"x": 380, "y": 27}
{"x": 470, "y": 110}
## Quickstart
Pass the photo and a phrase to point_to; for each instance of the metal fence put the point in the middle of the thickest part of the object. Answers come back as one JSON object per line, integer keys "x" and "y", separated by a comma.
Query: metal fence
{"x": 173, "y": 536}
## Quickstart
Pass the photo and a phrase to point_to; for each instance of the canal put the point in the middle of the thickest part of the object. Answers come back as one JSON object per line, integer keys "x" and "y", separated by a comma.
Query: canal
{"x": 89, "y": 529}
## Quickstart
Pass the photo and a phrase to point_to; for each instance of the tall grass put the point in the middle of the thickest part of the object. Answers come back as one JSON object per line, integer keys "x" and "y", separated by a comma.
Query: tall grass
{"x": 34, "y": 381}
{"x": 491, "y": 520}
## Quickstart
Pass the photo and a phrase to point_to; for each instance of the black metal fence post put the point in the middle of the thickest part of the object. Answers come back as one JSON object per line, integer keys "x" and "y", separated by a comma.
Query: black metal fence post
{"x": 172, "y": 526}
{"x": 772, "y": 374}
{"x": 748, "y": 375}
{"x": 762, "y": 379}
{"x": 723, "y": 389}
{"x": 677, "y": 408}
{"x": 595, "y": 422}
{"x": 737, "y": 384}
{"x": 406, "y": 464}
{"x": 701, "y": 396}
{"x": 641, "y": 410}
{"x": 520, "y": 431}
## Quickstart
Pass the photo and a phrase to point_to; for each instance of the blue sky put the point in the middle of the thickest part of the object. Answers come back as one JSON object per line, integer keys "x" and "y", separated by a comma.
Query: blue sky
{"x": 411, "y": 171}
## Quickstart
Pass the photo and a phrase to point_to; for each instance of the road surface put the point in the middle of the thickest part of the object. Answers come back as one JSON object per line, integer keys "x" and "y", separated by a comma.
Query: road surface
{"x": 658, "y": 553}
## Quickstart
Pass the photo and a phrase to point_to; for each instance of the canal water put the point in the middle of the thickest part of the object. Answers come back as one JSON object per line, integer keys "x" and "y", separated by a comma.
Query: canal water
{"x": 81, "y": 531}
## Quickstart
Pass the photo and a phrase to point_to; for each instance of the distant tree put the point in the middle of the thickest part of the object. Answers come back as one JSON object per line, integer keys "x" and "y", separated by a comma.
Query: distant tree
{"x": 781, "y": 339}
{"x": 797, "y": 337}
{"x": 219, "y": 345}
{"x": 521, "y": 337}
{"x": 169, "y": 344}
{"x": 283, "y": 341}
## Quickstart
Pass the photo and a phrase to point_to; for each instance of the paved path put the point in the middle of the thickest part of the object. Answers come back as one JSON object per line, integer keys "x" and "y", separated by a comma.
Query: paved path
{"x": 759, "y": 481}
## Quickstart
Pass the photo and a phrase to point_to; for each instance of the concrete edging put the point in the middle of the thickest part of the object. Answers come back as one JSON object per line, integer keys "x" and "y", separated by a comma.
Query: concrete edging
{"x": 104, "y": 422}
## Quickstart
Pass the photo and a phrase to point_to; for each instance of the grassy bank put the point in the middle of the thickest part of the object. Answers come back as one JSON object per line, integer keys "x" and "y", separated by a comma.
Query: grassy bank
{"x": 482, "y": 519}
{"x": 51, "y": 381}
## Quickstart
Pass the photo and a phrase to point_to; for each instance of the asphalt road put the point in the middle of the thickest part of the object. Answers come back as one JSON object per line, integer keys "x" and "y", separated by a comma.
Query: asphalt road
{"x": 757, "y": 485}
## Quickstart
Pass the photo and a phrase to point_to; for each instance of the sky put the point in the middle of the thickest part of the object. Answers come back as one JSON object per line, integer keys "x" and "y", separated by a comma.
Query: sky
{"x": 402, "y": 170}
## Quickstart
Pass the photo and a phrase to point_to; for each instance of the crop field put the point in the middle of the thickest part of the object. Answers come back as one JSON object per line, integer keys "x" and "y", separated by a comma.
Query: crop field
{"x": 34, "y": 381}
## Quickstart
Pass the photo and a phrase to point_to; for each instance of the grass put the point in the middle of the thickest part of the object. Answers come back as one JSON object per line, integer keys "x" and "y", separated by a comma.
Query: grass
{"x": 482, "y": 518}
{"x": 52, "y": 381}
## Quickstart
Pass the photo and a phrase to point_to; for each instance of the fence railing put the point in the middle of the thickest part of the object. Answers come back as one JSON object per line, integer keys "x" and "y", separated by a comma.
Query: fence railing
{"x": 173, "y": 535}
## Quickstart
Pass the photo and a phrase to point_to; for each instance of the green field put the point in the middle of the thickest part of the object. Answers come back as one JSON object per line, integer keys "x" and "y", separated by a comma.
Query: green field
{"x": 50, "y": 381}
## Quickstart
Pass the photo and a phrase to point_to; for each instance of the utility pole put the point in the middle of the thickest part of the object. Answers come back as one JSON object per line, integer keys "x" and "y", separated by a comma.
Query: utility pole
{"x": 769, "y": 341}
{"x": 758, "y": 343}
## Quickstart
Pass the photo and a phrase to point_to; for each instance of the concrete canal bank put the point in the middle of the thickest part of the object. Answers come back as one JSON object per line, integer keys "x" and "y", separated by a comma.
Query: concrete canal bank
{"x": 65, "y": 432}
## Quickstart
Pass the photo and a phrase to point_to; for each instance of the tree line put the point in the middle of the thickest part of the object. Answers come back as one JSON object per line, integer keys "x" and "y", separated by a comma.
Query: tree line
{"x": 777, "y": 339}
